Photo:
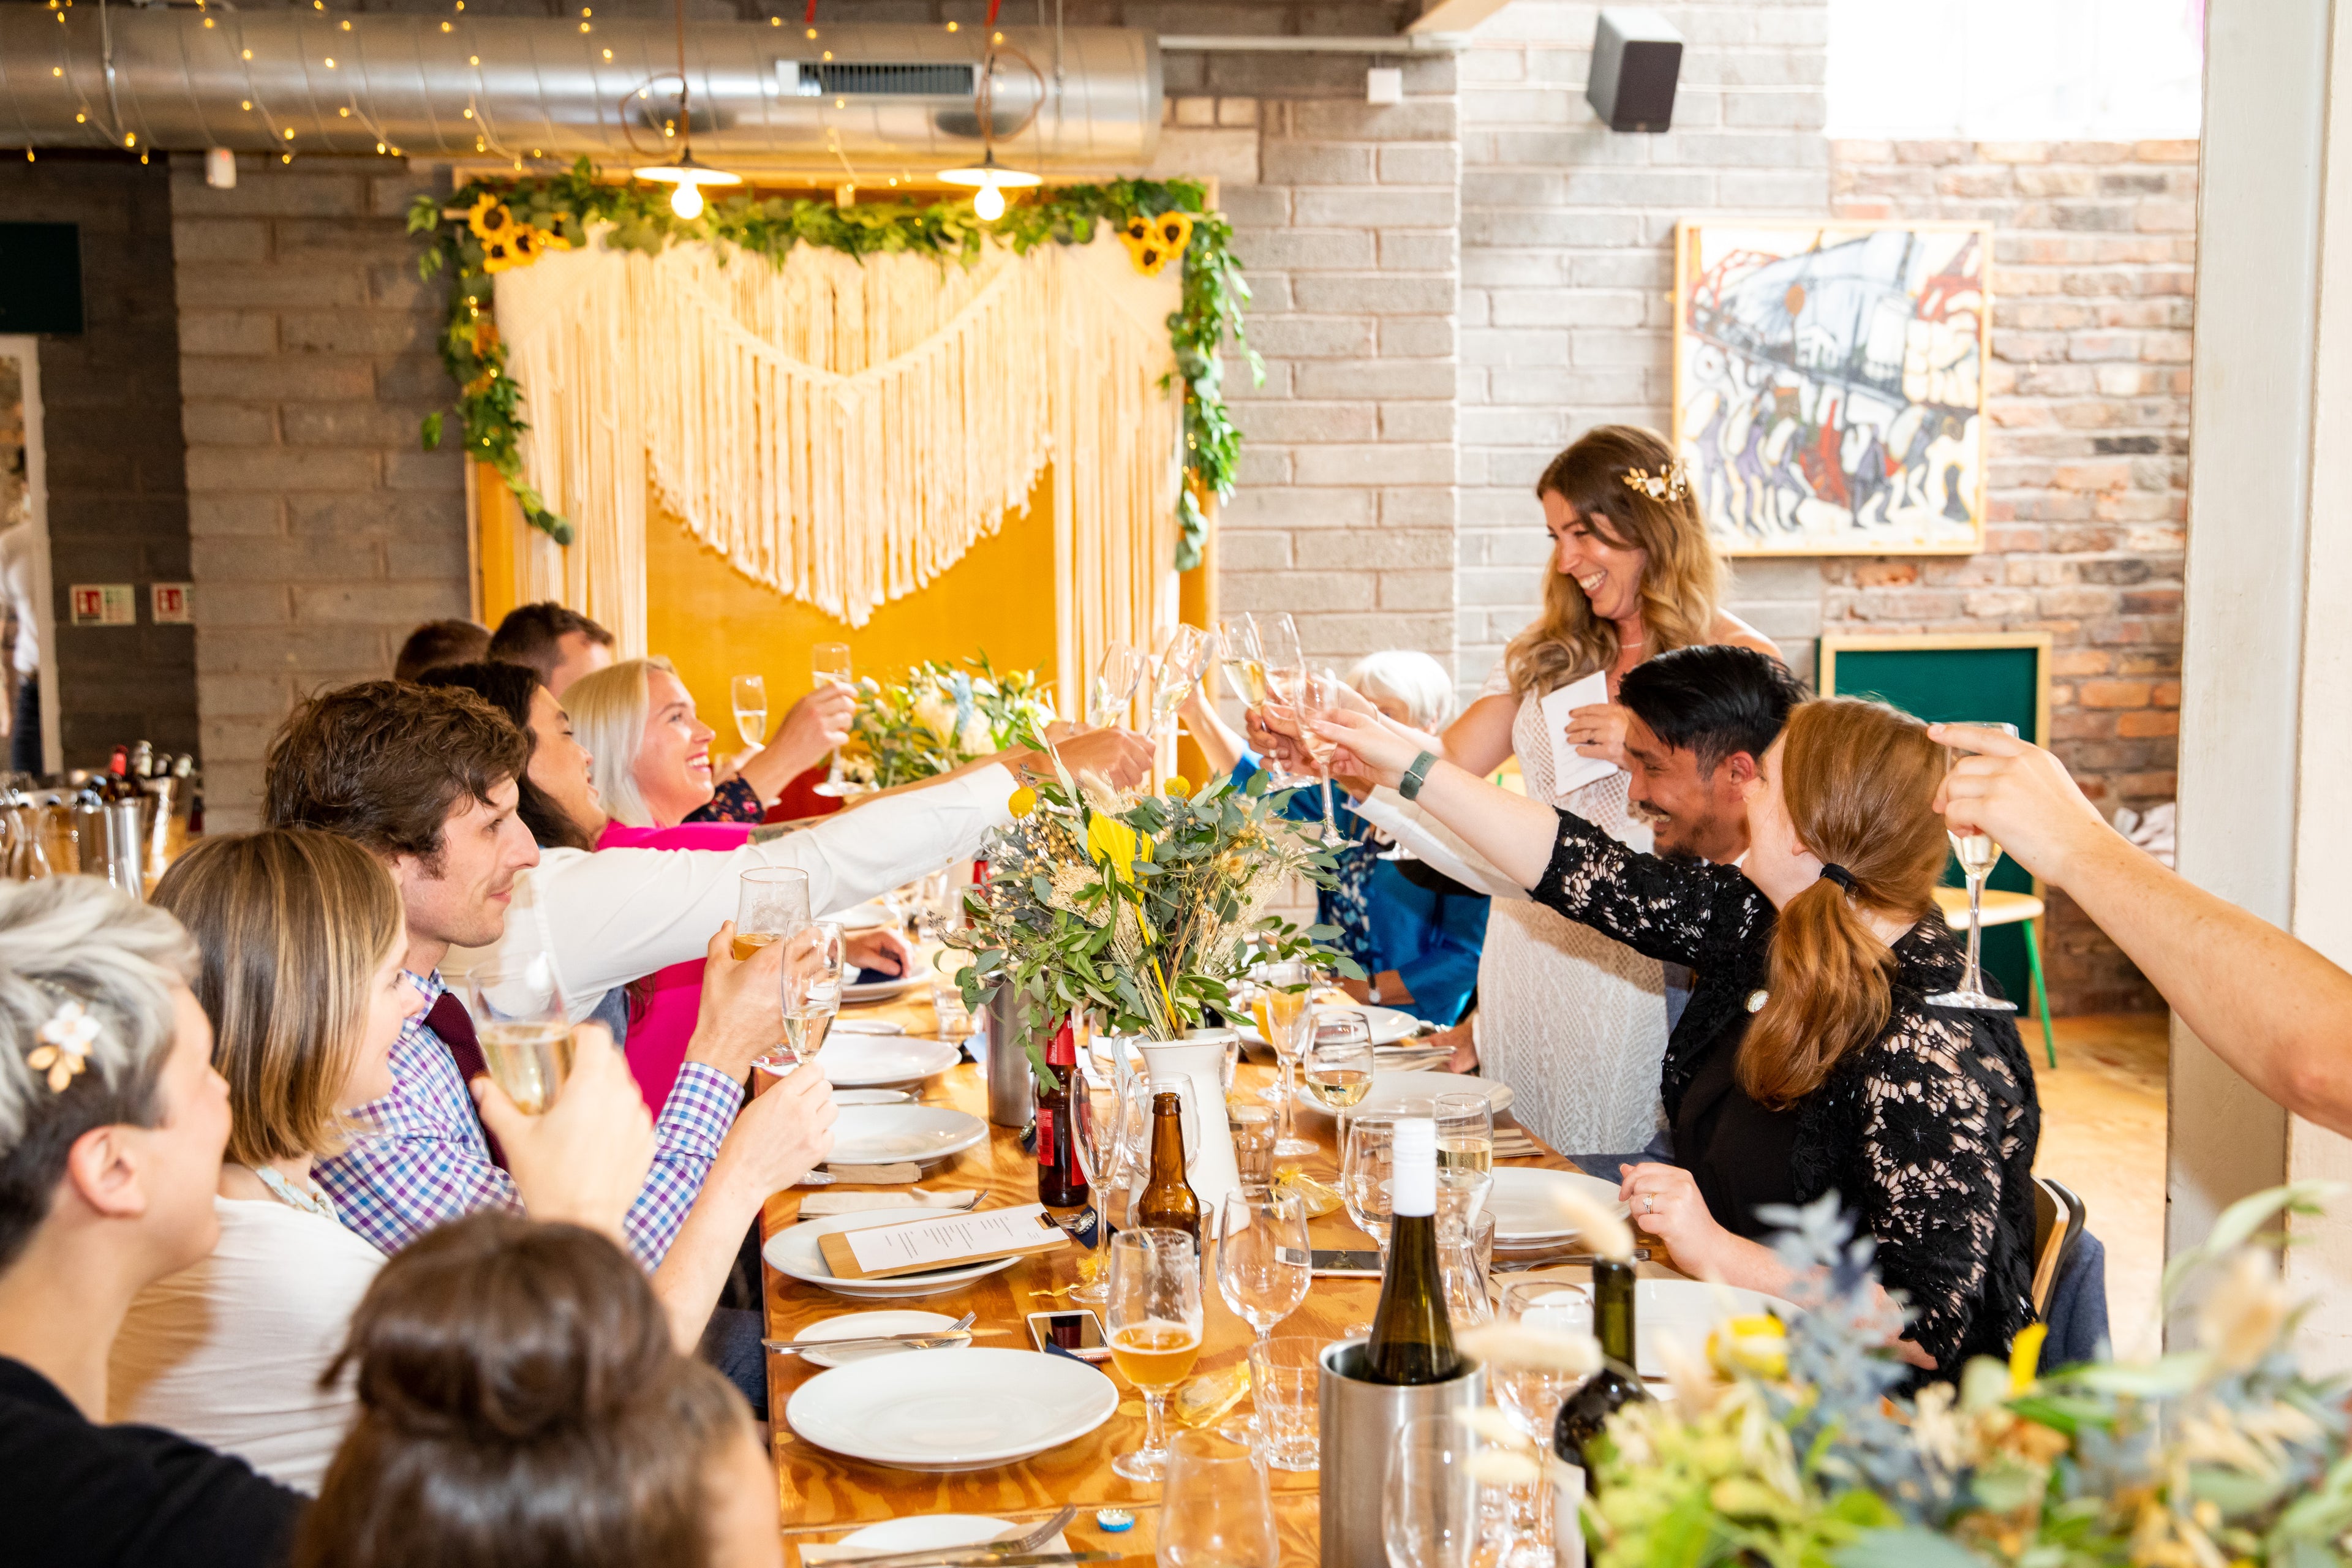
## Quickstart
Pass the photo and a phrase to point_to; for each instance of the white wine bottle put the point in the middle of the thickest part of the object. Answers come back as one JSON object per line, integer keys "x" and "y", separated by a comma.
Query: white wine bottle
{"x": 1617, "y": 1384}
{"x": 1412, "y": 1334}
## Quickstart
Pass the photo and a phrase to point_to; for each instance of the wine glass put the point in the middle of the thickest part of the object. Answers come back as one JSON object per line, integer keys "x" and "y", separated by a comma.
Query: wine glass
{"x": 1530, "y": 1393}
{"x": 1285, "y": 674}
{"x": 812, "y": 988}
{"x": 1243, "y": 657}
{"x": 1154, "y": 1313}
{"x": 1978, "y": 855}
{"x": 1430, "y": 1515}
{"x": 750, "y": 695}
{"x": 1262, "y": 1255}
{"x": 768, "y": 901}
{"x": 1116, "y": 678}
{"x": 1465, "y": 1132}
{"x": 1285, "y": 1017}
{"x": 1366, "y": 1164}
{"x": 1098, "y": 1115}
{"x": 829, "y": 663}
{"x": 1338, "y": 1058}
{"x": 1217, "y": 1510}
{"x": 1320, "y": 699}
{"x": 519, "y": 1022}
{"x": 1183, "y": 654}
{"x": 1188, "y": 1116}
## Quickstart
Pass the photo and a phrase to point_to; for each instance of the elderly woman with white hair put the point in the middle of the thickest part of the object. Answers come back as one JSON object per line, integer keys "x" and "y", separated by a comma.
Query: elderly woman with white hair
{"x": 1416, "y": 931}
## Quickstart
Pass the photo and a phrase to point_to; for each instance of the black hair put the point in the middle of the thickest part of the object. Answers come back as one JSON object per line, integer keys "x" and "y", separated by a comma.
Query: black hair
{"x": 1712, "y": 700}
{"x": 508, "y": 689}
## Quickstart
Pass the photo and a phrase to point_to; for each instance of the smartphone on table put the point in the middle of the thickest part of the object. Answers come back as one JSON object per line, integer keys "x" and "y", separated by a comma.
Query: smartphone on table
{"x": 1077, "y": 1330}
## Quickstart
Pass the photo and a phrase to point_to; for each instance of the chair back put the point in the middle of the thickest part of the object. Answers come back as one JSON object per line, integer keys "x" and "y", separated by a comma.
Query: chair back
{"x": 2059, "y": 1218}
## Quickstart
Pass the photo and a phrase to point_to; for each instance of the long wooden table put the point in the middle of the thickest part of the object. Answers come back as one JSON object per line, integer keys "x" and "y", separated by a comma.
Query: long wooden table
{"x": 824, "y": 1494}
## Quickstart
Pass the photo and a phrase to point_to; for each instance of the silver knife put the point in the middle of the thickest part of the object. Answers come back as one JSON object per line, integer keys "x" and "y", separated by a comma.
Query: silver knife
{"x": 938, "y": 1339}
{"x": 977, "y": 1557}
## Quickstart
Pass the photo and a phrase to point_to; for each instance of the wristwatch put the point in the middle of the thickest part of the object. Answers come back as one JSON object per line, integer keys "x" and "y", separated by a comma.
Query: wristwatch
{"x": 1416, "y": 776}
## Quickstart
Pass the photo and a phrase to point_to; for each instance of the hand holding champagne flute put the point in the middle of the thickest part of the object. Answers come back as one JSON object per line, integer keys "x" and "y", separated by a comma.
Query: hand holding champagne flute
{"x": 1977, "y": 854}
{"x": 829, "y": 663}
{"x": 812, "y": 976}
{"x": 520, "y": 1024}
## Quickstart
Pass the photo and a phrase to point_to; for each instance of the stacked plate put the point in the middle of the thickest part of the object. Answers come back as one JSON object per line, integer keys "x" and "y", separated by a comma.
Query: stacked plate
{"x": 1404, "y": 1090}
{"x": 793, "y": 1253}
{"x": 1529, "y": 1216}
{"x": 881, "y": 990}
{"x": 968, "y": 1411}
{"x": 872, "y": 1061}
{"x": 1389, "y": 1026}
{"x": 888, "y": 1134}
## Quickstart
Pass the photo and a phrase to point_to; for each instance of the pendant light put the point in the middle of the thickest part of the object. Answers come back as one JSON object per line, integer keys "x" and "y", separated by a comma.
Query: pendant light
{"x": 684, "y": 172}
{"x": 989, "y": 179}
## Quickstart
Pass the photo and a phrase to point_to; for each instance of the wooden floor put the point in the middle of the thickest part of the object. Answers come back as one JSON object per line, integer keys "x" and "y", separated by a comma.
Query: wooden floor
{"x": 2102, "y": 1134}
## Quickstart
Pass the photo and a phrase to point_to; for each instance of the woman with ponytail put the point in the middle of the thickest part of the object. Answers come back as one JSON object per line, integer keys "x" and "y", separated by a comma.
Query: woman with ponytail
{"x": 1809, "y": 1060}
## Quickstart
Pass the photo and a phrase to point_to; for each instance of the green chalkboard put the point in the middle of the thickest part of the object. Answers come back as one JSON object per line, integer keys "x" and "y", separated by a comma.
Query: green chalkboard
{"x": 1947, "y": 679}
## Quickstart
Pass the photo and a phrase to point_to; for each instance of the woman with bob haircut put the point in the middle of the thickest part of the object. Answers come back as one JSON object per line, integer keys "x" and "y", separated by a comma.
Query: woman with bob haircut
{"x": 1810, "y": 1059}
{"x": 522, "y": 1407}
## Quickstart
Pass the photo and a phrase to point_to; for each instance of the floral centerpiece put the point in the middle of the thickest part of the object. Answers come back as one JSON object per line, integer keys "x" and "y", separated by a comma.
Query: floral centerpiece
{"x": 1140, "y": 907}
{"x": 937, "y": 719}
{"x": 1784, "y": 1446}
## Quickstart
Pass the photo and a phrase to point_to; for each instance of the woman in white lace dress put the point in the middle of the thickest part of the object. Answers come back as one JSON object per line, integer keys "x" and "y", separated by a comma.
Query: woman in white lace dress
{"x": 1574, "y": 1022}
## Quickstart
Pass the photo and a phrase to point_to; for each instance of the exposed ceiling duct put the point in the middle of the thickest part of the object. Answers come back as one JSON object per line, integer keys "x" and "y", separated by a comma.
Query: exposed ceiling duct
{"x": 866, "y": 101}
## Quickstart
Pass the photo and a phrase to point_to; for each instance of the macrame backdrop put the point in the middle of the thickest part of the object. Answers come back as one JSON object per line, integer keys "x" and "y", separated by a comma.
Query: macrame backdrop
{"x": 841, "y": 431}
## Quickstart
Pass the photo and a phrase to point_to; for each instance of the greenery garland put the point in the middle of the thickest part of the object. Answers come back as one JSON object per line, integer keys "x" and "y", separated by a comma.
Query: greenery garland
{"x": 489, "y": 228}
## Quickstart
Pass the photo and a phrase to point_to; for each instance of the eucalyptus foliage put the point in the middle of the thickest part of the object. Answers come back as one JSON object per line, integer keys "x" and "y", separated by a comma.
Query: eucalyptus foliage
{"x": 569, "y": 207}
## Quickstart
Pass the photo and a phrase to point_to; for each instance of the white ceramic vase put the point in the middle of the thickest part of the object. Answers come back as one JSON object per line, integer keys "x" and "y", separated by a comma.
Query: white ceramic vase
{"x": 1200, "y": 1056}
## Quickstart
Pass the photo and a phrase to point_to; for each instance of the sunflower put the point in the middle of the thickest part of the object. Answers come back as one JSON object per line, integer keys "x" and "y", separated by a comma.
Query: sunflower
{"x": 1153, "y": 243}
{"x": 497, "y": 254}
{"x": 489, "y": 219}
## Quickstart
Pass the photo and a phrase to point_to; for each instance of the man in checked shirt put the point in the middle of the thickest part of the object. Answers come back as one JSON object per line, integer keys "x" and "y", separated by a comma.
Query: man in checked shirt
{"x": 426, "y": 779}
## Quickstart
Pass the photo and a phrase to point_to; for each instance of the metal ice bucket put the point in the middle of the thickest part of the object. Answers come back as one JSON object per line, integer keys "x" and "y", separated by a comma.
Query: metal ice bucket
{"x": 1360, "y": 1421}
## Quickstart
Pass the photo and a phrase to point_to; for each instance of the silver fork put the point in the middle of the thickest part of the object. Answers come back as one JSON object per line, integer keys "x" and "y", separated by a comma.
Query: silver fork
{"x": 1020, "y": 1545}
{"x": 927, "y": 1339}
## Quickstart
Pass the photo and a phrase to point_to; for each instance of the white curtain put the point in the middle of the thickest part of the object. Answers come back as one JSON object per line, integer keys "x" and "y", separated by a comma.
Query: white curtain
{"x": 843, "y": 430}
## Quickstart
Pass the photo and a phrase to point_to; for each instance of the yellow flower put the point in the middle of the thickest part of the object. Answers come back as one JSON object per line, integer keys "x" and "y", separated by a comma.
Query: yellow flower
{"x": 489, "y": 219}
{"x": 1024, "y": 801}
{"x": 1756, "y": 1342}
{"x": 1115, "y": 846}
{"x": 1178, "y": 786}
{"x": 2025, "y": 1356}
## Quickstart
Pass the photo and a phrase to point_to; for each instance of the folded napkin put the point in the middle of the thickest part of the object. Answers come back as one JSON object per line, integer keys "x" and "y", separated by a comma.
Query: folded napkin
{"x": 817, "y": 1205}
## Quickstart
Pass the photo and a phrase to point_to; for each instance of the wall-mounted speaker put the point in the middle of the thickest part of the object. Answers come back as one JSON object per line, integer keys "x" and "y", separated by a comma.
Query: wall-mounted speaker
{"x": 1636, "y": 56}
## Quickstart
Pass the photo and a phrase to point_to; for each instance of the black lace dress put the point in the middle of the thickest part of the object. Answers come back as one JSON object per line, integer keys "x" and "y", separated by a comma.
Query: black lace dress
{"x": 1928, "y": 1134}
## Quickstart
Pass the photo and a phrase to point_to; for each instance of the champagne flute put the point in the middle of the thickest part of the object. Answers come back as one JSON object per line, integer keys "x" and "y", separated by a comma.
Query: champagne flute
{"x": 768, "y": 901}
{"x": 517, "y": 1006}
{"x": 1978, "y": 855}
{"x": 1286, "y": 675}
{"x": 1154, "y": 1313}
{"x": 1098, "y": 1134}
{"x": 1262, "y": 1255}
{"x": 829, "y": 663}
{"x": 1113, "y": 689}
{"x": 750, "y": 695}
{"x": 1183, "y": 654}
{"x": 1367, "y": 1160}
{"x": 1338, "y": 1060}
{"x": 1243, "y": 657}
{"x": 1285, "y": 1017}
{"x": 1320, "y": 699}
{"x": 812, "y": 988}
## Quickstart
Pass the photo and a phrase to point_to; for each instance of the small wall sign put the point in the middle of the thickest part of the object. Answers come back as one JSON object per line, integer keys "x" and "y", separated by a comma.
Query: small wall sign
{"x": 169, "y": 604}
{"x": 105, "y": 604}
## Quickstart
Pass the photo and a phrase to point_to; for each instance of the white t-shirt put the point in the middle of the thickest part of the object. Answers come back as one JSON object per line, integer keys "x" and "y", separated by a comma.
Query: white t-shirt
{"x": 17, "y": 585}
{"x": 229, "y": 1352}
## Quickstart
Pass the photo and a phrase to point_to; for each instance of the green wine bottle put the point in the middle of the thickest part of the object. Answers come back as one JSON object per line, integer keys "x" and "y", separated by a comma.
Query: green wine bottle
{"x": 1412, "y": 1333}
{"x": 1618, "y": 1382}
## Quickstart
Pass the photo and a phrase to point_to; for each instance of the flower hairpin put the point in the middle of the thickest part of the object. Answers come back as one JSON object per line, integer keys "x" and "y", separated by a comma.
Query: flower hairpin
{"x": 65, "y": 1045}
{"x": 1672, "y": 483}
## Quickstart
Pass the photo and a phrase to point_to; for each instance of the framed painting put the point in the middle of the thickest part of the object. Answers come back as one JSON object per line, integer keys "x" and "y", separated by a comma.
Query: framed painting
{"x": 1829, "y": 384}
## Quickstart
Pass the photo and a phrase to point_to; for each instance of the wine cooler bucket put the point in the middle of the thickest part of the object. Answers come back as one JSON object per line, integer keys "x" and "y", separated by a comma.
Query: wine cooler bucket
{"x": 1011, "y": 1091}
{"x": 1359, "y": 1421}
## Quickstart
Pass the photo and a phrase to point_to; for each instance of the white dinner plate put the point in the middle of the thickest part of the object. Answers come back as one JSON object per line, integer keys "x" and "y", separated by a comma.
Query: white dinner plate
{"x": 864, "y": 1325}
{"x": 1397, "y": 1089}
{"x": 1521, "y": 1201}
{"x": 886, "y": 1135}
{"x": 882, "y": 990}
{"x": 870, "y": 1096}
{"x": 968, "y": 1411}
{"x": 938, "y": 1532}
{"x": 871, "y": 1061}
{"x": 1688, "y": 1310}
{"x": 793, "y": 1252}
{"x": 871, "y": 915}
{"x": 1389, "y": 1026}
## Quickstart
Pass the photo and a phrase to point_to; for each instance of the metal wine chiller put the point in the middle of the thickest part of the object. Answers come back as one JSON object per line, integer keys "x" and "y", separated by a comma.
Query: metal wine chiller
{"x": 1011, "y": 1092}
{"x": 1360, "y": 1421}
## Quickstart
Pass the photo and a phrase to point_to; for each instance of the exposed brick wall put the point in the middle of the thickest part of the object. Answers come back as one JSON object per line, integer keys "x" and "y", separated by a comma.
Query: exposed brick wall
{"x": 2094, "y": 279}
{"x": 118, "y": 503}
{"x": 322, "y": 533}
{"x": 1568, "y": 264}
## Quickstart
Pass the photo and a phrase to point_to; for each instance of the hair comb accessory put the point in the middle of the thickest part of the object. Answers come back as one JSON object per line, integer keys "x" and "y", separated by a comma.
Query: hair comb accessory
{"x": 1840, "y": 875}
{"x": 1670, "y": 483}
{"x": 65, "y": 1039}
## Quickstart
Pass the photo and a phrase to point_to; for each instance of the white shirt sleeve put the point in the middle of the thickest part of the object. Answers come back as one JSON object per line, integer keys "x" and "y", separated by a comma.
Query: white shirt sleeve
{"x": 609, "y": 916}
{"x": 1432, "y": 840}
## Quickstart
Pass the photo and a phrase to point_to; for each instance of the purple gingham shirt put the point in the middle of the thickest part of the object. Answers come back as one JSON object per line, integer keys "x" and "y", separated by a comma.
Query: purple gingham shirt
{"x": 419, "y": 1160}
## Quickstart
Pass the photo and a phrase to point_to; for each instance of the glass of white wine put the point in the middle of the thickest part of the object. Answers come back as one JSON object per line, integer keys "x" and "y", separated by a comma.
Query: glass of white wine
{"x": 1242, "y": 657}
{"x": 1465, "y": 1132}
{"x": 1113, "y": 689}
{"x": 1183, "y": 655}
{"x": 517, "y": 1006}
{"x": 829, "y": 663}
{"x": 1154, "y": 1313}
{"x": 1286, "y": 679}
{"x": 768, "y": 901}
{"x": 1978, "y": 855}
{"x": 749, "y": 694}
{"x": 812, "y": 983}
{"x": 1338, "y": 1060}
{"x": 1285, "y": 1018}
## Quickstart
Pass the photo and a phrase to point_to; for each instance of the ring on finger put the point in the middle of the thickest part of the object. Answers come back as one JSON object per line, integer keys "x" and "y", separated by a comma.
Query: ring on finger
{"x": 1649, "y": 1202}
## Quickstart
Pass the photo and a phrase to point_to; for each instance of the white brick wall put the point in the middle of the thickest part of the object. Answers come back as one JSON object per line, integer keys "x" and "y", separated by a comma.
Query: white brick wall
{"x": 1567, "y": 266}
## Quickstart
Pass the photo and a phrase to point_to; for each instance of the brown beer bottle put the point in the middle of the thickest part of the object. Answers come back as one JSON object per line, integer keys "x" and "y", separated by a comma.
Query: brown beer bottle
{"x": 1061, "y": 1184}
{"x": 1167, "y": 1201}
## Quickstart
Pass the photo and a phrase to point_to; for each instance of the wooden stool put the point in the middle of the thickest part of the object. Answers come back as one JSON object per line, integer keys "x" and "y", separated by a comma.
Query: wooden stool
{"x": 2002, "y": 909}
